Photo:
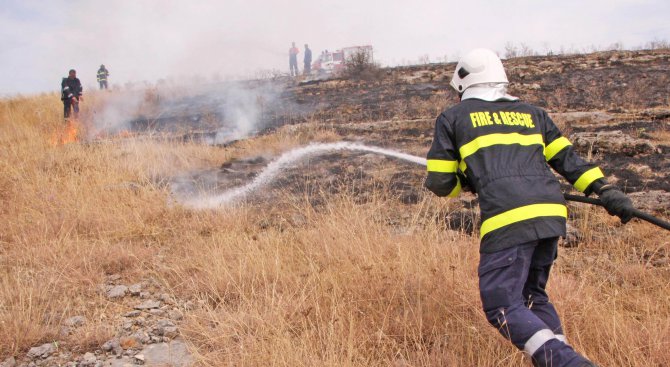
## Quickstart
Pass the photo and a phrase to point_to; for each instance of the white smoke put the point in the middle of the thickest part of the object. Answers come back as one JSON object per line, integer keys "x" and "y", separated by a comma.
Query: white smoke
{"x": 116, "y": 113}
{"x": 220, "y": 112}
{"x": 243, "y": 110}
{"x": 277, "y": 166}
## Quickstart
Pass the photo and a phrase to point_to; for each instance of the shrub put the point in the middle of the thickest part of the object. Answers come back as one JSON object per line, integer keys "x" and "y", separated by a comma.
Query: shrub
{"x": 360, "y": 66}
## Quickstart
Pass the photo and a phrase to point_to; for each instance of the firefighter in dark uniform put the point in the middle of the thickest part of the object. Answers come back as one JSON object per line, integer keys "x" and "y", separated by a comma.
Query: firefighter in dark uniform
{"x": 103, "y": 74}
{"x": 501, "y": 149}
{"x": 71, "y": 94}
{"x": 307, "y": 61}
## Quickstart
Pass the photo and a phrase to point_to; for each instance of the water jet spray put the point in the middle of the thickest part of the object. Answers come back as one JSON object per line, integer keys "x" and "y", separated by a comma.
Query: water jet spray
{"x": 290, "y": 157}
{"x": 285, "y": 160}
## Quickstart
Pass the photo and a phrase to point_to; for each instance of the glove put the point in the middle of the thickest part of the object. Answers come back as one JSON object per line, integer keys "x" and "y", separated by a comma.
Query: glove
{"x": 617, "y": 203}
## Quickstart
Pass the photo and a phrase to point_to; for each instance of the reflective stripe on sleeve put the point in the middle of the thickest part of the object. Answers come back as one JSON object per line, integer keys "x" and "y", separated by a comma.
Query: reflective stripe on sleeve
{"x": 562, "y": 338}
{"x": 522, "y": 213}
{"x": 463, "y": 166}
{"x": 438, "y": 165}
{"x": 537, "y": 341}
{"x": 555, "y": 146}
{"x": 587, "y": 178}
{"x": 66, "y": 88}
{"x": 456, "y": 190}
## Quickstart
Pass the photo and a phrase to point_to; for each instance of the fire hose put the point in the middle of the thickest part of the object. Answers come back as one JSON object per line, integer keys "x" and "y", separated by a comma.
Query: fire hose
{"x": 213, "y": 201}
{"x": 636, "y": 213}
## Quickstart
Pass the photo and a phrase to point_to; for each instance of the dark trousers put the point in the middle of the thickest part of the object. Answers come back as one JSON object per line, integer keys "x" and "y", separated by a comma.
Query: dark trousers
{"x": 293, "y": 66}
{"x": 103, "y": 84}
{"x": 68, "y": 105}
{"x": 512, "y": 286}
{"x": 307, "y": 69}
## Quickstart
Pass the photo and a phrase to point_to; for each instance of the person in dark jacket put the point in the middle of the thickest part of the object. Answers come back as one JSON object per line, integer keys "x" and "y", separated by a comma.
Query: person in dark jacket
{"x": 71, "y": 94}
{"x": 103, "y": 74}
{"x": 307, "y": 60}
{"x": 502, "y": 149}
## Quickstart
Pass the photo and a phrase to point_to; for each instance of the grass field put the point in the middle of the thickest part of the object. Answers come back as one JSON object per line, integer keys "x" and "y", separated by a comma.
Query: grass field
{"x": 284, "y": 282}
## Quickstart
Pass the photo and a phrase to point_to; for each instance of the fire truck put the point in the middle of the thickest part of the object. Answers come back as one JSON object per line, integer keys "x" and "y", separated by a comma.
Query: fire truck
{"x": 334, "y": 62}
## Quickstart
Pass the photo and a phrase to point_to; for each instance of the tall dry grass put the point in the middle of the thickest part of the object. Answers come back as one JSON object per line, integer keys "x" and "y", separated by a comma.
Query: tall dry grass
{"x": 283, "y": 282}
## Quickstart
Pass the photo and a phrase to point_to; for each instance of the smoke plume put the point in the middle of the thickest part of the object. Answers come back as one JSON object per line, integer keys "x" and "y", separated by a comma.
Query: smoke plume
{"x": 213, "y": 113}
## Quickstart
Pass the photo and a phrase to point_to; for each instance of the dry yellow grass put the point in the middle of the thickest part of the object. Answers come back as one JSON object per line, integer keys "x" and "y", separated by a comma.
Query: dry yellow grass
{"x": 283, "y": 283}
{"x": 662, "y": 136}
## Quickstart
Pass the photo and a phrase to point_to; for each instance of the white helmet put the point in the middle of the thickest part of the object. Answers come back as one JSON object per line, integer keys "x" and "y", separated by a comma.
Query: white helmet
{"x": 480, "y": 65}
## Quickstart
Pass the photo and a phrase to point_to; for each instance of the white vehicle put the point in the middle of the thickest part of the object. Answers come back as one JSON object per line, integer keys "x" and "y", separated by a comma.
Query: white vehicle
{"x": 335, "y": 62}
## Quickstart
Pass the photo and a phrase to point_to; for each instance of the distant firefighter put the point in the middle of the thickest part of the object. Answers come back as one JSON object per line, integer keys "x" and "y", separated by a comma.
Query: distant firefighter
{"x": 71, "y": 94}
{"x": 103, "y": 73}
{"x": 307, "y": 60}
{"x": 293, "y": 59}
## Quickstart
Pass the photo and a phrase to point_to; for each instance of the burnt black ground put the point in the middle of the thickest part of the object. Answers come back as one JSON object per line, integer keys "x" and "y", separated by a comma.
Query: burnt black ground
{"x": 617, "y": 91}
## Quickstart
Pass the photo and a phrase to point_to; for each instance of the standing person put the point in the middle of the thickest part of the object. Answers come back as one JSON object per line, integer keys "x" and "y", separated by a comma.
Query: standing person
{"x": 307, "y": 60}
{"x": 71, "y": 94}
{"x": 502, "y": 148}
{"x": 293, "y": 59}
{"x": 103, "y": 73}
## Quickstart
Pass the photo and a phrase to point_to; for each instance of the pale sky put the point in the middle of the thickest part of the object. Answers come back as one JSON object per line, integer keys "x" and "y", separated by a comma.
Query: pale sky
{"x": 151, "y": 39}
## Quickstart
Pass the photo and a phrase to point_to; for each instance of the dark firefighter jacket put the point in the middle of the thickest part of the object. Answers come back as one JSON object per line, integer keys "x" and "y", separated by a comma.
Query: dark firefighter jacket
{"x": 70, "y": 88}
{"x": 503, "y": 150}
{"x": 307, "y": 60}
{"x": 102, "y": 75}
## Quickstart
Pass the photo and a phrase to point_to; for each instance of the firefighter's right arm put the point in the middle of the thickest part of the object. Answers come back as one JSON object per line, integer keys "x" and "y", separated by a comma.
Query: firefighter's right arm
{"x": 442, "y": 162}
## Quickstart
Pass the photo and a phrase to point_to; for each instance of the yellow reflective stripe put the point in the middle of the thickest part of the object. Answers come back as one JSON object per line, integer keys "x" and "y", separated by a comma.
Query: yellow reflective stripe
{"x": 587, "y": 178}
{"x": 496, "y": 139}
{"x": 522, "y": 213}
{"x": 456, "y": 190}
{"x": 499, "y": 139}
{"x": 438, "y": 165}
{"x": 555, "y": 146}
{"x": 462, "y": 166}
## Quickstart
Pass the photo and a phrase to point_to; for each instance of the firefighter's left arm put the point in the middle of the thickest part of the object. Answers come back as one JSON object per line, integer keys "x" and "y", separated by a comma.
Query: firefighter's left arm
{"x": 442, "y": 162}
{"x": 561, "y": 156}
{"x": 78, "y": 89}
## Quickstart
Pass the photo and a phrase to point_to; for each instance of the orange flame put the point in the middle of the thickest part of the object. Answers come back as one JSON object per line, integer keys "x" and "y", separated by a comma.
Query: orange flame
{"x": 68, "y": 134}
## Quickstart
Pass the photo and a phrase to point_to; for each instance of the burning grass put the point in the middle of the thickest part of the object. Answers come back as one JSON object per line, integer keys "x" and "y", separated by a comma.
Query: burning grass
{"x": 345, "y": 283}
